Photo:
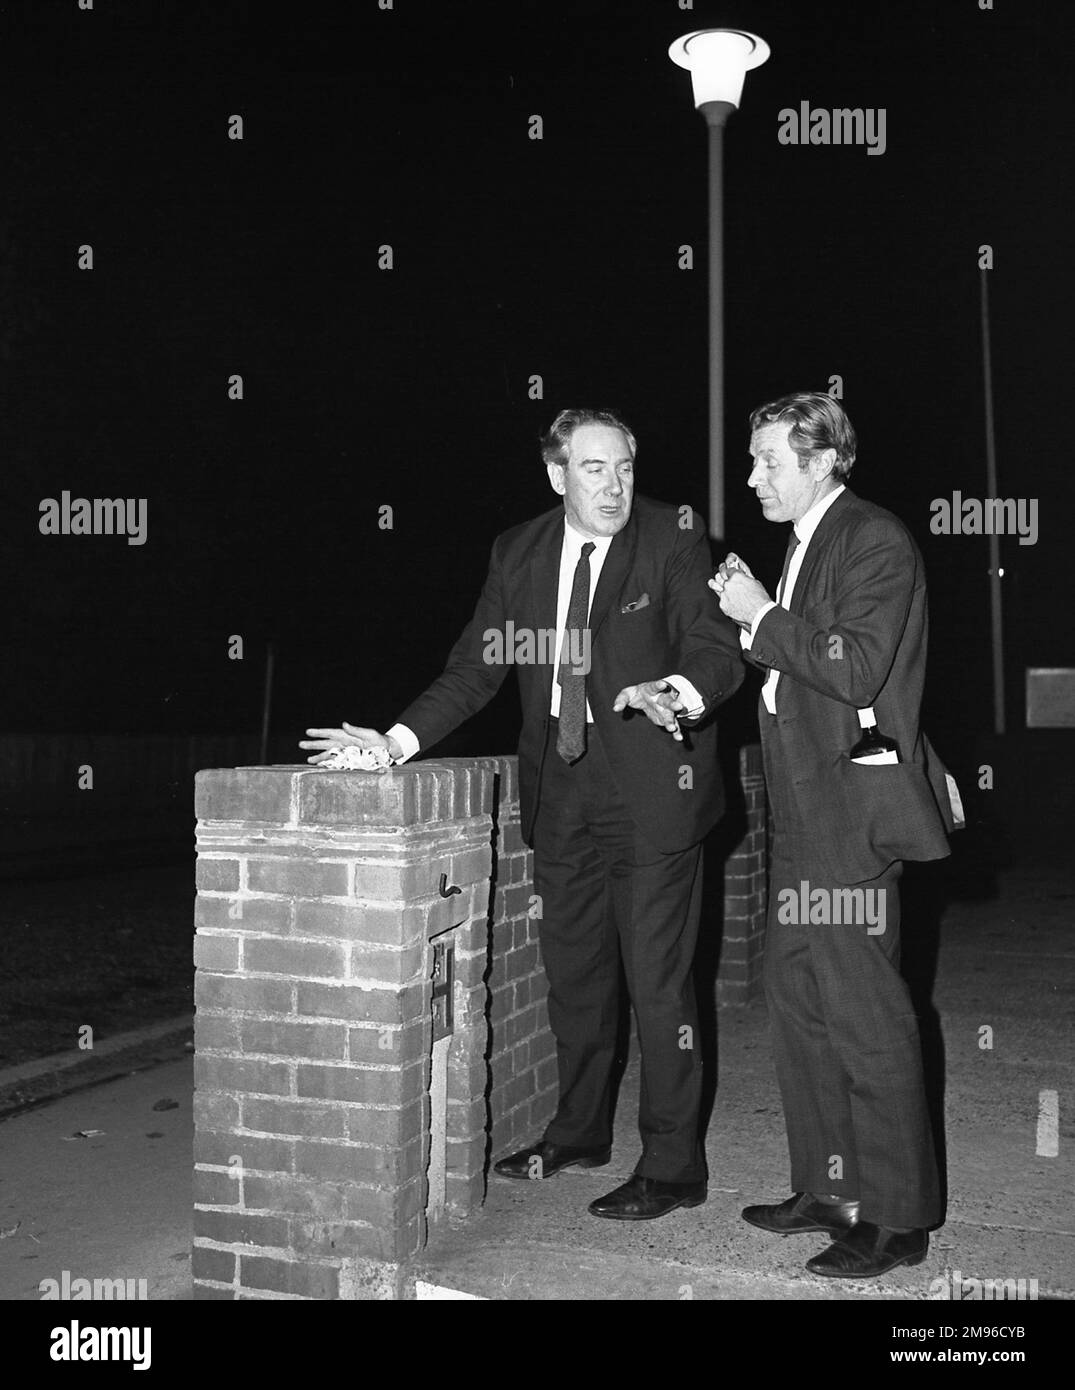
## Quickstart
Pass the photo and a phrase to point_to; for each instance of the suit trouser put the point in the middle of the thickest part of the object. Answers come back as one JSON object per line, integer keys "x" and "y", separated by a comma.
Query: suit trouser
{"x": 606, "y": 893}
{"x": 846, "y": 1046}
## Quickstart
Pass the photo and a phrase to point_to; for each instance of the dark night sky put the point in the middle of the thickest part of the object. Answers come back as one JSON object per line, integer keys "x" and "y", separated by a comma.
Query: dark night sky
{"x": 365, "y": 388}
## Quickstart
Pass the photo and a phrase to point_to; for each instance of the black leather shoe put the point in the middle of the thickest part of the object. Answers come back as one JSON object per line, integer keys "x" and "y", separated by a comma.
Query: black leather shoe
{"x": 542, "y": 1160}
{"x": 867, "y": 1250}
{"x": 643, "y": 1199}
{"x": 802, "y": 1212}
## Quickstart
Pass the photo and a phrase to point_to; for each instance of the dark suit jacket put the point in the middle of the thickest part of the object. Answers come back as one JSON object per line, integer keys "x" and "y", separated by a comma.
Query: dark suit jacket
{"x": 680, "y": 630}
{"x": 861, "y": 582}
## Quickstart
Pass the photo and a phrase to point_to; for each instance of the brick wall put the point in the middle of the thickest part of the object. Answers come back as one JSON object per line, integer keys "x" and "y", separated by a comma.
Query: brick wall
{"x": 320, "y": 1164}
{"x": 338, "y": 1117}
{"x": 745, "y": 891}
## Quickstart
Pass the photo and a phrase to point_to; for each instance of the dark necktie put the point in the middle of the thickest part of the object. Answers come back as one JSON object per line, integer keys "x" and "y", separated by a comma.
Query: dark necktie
{"x": 571, "y": 738}
{"x": 793, "y": 542}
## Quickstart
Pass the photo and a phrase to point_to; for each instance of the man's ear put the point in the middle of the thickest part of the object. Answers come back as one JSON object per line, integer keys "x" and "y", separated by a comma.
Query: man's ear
{"x": 821, "y": 465}
{"x": 557, "y": 477}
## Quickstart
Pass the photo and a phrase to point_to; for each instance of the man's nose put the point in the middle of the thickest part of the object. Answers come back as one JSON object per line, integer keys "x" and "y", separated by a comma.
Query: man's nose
{"x": 755, "y": 477}
{"x": 615, "y": 486}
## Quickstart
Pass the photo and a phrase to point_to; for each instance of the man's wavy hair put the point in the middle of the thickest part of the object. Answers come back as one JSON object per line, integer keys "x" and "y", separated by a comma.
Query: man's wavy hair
{"x": 818, "y": 423}
{"x": 557, "y": 438}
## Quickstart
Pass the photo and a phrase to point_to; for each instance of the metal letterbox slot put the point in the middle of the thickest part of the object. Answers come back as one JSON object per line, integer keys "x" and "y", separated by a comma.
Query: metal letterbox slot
{"x": 443, "y": 979}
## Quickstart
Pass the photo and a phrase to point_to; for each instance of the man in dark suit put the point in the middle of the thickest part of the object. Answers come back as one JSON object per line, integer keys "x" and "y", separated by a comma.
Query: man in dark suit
{"x": 609, "y": 590}
{"x": 846, "y": 634}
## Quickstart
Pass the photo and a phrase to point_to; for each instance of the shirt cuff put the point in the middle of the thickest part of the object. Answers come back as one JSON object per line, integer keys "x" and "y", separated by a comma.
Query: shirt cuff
{"x": 690, "y": 697}
{"x": 747, "y": 638}
{"x": 406, "y": 740}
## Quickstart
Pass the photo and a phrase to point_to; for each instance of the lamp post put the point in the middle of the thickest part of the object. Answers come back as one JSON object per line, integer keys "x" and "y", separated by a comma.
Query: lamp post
{"x": 718, "y": 61}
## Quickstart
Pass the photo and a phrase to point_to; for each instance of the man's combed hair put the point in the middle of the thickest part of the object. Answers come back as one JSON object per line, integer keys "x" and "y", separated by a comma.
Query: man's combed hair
{"x": 818, "y": 423}
{"x": 556, "y": 440}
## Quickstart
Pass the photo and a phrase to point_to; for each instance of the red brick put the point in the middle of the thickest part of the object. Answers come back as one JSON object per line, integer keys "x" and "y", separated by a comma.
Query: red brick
{"x": 293, "y": 1117}
{"x": 301, "y": 959}
{"x": 254, "y": 1152}
{"x": 206, "y": 1263}
{"x": 394, "y": 925}
{"x": 244, "y": 794}
{"x": 216, "y": 875}
{"x": 501, "y": 1004}
{"x": 371, "y": 1046}
{"x": 516, "y": 900}
{"x": 359, "y": 1005}
{"x": 288, "y": 1276}
{"x": 399, "y": 880}
{"x": 288, "y": 1194}
{"x": 335, "y": 1238}
{"x": 216, "y": 952}
{"x": 360, "y": 1084}
{"x": 357, "y": 799}
{"x": 524, "y": 961}
{"x": 472, "y": 865}
{"x": 297, "y": 877}
{"x": 204, "y": 1293}
{"x": 391, "y": 967}
{"x": 215, "y": 1189}
{"x": 382, "y": 1206}
{"x": 346, "y": 1162}
{"x": 241, "y": 913}
{"x": 546, "y": 1074}
{"x": 215, "y": 1110}
{"x": 216, "y": 1033}
{"x": 228, "y": 1074}
{"x": 224, "y": 993}
{"x": 242, "y": 1228}
{"x": 315, "y": 1040}
{"x": 390, "y": 1127}
{"x": 466, "y": 1156}
{"x": 466, "y": 1118}
{"x": 467, "y": 1076}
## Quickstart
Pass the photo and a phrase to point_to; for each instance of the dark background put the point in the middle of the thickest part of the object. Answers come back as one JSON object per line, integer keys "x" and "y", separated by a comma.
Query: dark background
{"x": 365, "y": 388}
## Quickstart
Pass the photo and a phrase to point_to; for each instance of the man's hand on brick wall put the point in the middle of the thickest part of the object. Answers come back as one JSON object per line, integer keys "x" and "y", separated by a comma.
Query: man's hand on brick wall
{"x": 329, "y": 740}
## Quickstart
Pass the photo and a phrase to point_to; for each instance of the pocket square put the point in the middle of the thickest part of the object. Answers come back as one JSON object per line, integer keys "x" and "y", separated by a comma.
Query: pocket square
{"x": 642, "y": 602}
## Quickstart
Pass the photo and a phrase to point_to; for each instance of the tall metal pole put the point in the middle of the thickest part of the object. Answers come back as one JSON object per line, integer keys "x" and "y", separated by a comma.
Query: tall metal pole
{"x": 716, "y": 114}
{"x": 266, "y": 704}
{"x": 996, "y": 612}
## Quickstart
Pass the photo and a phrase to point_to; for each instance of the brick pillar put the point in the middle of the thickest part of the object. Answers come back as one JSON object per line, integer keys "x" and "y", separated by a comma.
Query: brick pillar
{"x": 331, "y": 1129}
{"x": 745, "y": 892}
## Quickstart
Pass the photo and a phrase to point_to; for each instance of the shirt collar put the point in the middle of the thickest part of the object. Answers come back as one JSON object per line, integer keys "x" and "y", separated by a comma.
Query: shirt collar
{"x": 805, "y": 527}
{"x": 574, "y": 541}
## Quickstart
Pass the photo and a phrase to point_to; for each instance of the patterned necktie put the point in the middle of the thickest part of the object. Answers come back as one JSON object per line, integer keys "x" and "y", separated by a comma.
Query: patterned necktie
{"x": 768, "y": 690}
{"x": 793, "y": 542}
{"x": 571, "y": 738}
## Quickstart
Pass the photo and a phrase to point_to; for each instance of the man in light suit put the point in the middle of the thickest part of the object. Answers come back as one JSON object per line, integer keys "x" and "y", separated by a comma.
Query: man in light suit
{"x": 845, "y": 632}
{"x": 615, "y": 805}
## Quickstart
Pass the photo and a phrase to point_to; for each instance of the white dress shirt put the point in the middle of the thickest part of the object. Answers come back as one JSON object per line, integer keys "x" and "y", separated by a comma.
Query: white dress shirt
{"x": 570, "y": 553}
{"x": 804, "y": 529}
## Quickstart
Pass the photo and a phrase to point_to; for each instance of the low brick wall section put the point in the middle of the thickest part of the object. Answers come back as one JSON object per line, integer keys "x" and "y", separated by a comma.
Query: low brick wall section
{"x": 746, "y": 889}
{"x": 320, "y": 1163}
{"x": 371, "y": 1025}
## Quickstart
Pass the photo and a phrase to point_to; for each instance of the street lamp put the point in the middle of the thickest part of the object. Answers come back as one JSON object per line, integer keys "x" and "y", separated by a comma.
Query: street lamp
{"x": 718, "y": 61}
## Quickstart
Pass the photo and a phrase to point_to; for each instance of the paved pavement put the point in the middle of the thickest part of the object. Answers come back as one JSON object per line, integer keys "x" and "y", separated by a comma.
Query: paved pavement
{"x": 117, "y": 1204}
